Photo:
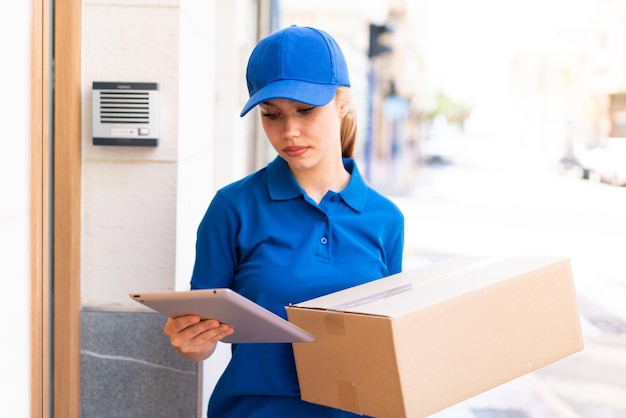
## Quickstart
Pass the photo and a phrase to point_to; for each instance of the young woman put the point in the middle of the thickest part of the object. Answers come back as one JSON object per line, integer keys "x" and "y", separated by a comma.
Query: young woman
{"x": 305, "y": 225}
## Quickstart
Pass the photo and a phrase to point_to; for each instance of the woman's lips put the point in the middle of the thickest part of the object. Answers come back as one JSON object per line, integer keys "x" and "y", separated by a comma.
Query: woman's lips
{"x": 295, "y": 151}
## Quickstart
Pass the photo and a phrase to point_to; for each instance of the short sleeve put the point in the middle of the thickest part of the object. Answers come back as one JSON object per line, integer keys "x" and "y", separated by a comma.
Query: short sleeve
{"x": 395, "y": 244}
{"x": 216, "y": 252}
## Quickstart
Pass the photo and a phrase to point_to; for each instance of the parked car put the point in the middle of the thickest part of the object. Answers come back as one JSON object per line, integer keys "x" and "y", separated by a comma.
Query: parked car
{"x": 607, "y": 161}
{"x": 576, "y": 161}
{"x": 571, "y": 164}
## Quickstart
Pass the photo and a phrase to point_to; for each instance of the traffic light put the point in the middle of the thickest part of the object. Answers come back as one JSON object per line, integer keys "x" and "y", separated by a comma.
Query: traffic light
{"x": 376, "y": 47}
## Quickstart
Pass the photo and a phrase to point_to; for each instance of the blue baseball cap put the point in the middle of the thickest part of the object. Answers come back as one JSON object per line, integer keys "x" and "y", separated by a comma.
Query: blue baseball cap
{"x": 296, "y": 63}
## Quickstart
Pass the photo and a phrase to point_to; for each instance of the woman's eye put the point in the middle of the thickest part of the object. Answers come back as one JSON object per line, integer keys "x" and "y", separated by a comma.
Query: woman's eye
{"x": 270, "y": 116}
{"x": 307, "y": 110}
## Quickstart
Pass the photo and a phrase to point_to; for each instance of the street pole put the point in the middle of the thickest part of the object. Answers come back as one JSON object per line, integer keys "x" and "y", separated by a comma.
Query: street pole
{"x": 369, "y": 136}
{"x": 375, "y": 49}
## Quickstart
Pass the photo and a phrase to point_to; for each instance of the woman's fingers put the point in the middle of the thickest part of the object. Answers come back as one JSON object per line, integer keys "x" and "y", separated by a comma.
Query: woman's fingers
{"x": 191, "y": 335}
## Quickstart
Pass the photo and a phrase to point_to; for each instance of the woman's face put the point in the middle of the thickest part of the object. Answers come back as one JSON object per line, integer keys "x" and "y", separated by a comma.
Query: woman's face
{"x": 305, "y": 136}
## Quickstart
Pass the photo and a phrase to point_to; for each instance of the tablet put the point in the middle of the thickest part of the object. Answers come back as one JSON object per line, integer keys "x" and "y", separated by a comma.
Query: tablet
{"x": 253, "y": 323}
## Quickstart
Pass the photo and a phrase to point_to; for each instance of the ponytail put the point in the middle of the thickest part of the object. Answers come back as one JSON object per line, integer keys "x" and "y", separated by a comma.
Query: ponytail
{"x": 348, "y": 124}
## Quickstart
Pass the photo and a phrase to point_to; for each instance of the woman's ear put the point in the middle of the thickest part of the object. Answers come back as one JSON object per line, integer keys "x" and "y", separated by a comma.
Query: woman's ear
{"x": 344, "y": 108}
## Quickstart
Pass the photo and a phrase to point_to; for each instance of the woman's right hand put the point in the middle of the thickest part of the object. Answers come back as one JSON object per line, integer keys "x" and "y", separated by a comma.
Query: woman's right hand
{"x": 195, "y": 339}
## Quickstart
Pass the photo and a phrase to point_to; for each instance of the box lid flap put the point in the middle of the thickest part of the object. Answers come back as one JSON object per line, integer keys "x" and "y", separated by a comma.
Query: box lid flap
{"x": 401, "y": 293}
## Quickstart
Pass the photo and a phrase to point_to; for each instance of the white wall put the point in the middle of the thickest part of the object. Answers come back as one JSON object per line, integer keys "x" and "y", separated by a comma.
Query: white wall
{"x": 14, "y": 211}
{"x": 142, "y": 206}
{"x": 196, "y": 127}
{"x": 129, "y": 193}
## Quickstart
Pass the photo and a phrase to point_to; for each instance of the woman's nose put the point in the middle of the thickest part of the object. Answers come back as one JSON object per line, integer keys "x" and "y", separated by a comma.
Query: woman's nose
{"x": 291, "y": 128}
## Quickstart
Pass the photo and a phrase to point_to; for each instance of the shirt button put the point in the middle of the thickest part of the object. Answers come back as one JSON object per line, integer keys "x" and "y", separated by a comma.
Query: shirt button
{"x": 324, "y": 240}
{"x": 333, "y": 199}
{"x": 323, "y": 217}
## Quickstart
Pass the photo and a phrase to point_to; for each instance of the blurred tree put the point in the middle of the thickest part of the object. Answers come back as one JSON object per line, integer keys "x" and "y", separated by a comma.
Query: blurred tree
{"x": 455, "y": 112}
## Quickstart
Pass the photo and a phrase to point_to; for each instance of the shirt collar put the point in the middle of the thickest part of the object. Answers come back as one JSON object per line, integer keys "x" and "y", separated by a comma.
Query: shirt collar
{"x": 355, "y": 192}
{"x": 282, "y": 185}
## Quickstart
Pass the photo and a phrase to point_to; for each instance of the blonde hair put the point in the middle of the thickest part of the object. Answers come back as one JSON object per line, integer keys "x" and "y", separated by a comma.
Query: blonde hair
{"x": 348, "y": 123}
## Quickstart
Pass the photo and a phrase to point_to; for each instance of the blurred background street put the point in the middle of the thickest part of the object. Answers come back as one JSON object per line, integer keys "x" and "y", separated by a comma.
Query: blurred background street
{"x": 490, "y": 201}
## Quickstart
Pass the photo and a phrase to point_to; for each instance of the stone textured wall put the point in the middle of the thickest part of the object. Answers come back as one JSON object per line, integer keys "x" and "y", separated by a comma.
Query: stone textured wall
{"x": 128, "y": 369}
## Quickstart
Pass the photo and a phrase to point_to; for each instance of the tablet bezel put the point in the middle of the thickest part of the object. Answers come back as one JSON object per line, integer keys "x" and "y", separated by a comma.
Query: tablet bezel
{"x": 252, "y": 322}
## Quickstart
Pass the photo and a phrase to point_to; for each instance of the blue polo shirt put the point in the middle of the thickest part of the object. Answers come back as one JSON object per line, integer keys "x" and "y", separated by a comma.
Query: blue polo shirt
{"x": 265, "y": 238}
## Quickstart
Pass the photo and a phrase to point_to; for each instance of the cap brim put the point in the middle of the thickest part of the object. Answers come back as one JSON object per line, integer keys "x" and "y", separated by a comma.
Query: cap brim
{"x": 296, "y": 90}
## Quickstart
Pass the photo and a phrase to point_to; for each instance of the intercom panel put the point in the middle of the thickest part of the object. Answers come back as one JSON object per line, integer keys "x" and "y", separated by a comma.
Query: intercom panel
{"x": 125, "y": 113}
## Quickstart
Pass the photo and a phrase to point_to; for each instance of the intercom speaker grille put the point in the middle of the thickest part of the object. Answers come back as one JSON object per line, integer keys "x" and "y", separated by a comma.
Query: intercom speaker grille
{"x": 125, "y": 113}
{"x": 125, "y": 107}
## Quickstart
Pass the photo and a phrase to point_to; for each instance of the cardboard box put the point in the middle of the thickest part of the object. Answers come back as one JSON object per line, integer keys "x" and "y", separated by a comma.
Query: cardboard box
{"x": 414, "y": 343}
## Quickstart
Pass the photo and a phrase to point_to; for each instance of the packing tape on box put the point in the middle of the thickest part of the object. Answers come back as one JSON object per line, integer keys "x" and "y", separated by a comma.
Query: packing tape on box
{"x": 376, "y": 296}
{"x": 347, "y": 396}
{"x": 334, "y": 324}
{"x": 410, "y": 286}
